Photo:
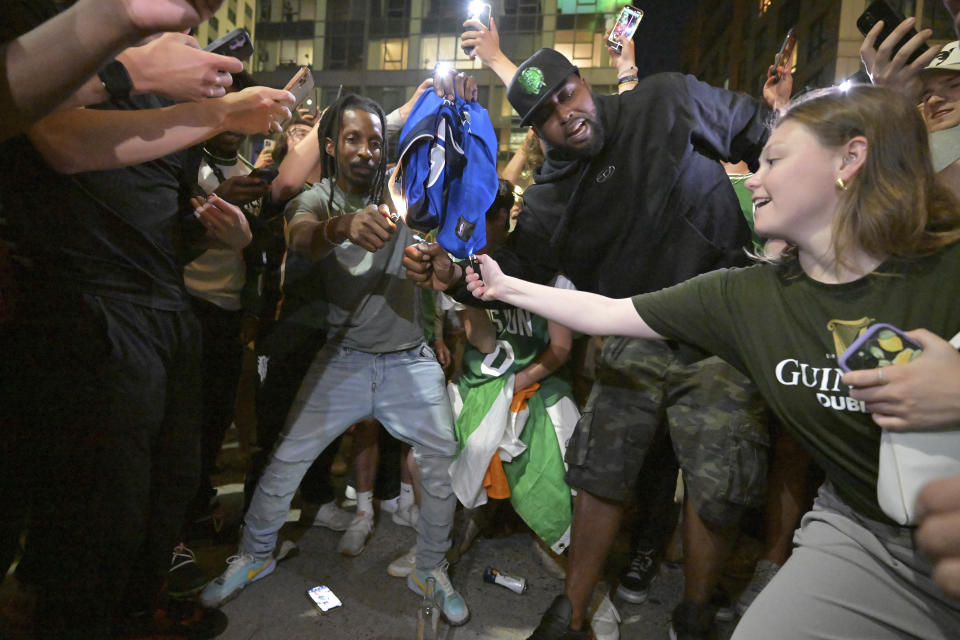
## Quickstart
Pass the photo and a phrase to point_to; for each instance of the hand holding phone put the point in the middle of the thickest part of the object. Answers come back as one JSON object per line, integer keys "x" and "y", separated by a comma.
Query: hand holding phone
{"x": 626, "y": 25}
{"x": 784, "y": 56}
{"x": 266, "y": 174}
{"x": 894, "y": 34}
{"x": 237, "y": 43}
{"x": 300, "y": 85}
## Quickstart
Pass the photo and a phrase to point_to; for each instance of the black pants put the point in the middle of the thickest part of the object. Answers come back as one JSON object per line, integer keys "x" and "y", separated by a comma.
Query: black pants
{"x": 221, "y": 359}
{"x": 112, "y": 422}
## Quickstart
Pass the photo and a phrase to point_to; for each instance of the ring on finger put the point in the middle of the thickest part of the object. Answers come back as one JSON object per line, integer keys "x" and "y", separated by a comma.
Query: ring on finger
{"x": 880, "y": 375}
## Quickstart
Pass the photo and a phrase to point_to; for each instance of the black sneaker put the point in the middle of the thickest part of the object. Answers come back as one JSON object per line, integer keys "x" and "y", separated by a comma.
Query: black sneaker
{"x": 723, "y": 610}
{"x": 691, "y": 621}
{"x": 555, "y": 623}
{"x": 635, "y": 583}
{"x": 185, "y": 578}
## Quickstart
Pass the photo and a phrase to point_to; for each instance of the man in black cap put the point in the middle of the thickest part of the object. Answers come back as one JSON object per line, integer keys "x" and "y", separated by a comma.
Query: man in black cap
{"x": 631, "y": 199}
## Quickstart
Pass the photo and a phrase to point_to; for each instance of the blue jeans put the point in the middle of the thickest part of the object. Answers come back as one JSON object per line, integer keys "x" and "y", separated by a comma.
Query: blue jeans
{"x": 405, "y": 392}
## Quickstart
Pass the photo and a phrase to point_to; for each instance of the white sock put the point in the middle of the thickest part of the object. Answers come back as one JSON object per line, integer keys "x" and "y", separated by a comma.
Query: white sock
{"x": 406, "y": 496}
{"x": 365, "y": 502}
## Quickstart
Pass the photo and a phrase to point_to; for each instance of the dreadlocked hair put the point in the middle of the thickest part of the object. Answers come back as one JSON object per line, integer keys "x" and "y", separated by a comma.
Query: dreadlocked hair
{"x": 330, "y": 128}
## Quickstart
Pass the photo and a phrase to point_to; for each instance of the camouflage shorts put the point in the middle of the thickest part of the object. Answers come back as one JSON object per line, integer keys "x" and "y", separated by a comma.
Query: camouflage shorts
{"x": 713, "y": 414}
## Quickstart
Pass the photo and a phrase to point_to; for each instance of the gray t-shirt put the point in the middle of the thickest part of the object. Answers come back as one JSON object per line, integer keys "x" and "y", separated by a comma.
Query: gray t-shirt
{"x": 364, "y": 298}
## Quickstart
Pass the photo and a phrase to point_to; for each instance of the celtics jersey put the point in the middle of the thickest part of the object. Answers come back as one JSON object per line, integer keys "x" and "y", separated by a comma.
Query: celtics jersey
{"x": 521, "y": 337}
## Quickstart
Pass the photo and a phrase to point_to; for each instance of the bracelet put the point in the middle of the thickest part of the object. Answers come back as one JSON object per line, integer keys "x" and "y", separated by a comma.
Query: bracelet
{"x": 323, "y": 230}
{"x": 625, "y": 79}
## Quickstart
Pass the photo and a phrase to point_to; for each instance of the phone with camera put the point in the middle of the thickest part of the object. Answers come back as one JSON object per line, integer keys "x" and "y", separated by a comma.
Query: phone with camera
{"x": 880, "y": 10}
{"x": 479, "y": 11}
{"x": 237, "y": 43}
{"x": 323, "y": 597}
{"x": 300, "y": 85}
{"x": 626, "y": 25}
{"x": 880, "y": 346}
{"x": 267, "y": 174}
{"x": 784, "y": 55}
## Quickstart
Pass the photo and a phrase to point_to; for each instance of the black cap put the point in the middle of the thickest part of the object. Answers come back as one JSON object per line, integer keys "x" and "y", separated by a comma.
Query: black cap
{"x": 535, "y": 80}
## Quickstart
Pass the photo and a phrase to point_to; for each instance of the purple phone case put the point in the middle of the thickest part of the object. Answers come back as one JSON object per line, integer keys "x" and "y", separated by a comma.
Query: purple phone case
{"x": 868, "y": 335}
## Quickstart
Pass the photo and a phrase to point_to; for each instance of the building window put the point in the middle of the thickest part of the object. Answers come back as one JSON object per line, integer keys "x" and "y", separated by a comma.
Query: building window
{"x": 436, "y": 49}
{"x": 248, "y": 13}
{"x": 265, "y": 10}
{"x": 295, "y": 53}
{"x": 213, "y": 23}
{"x": 393, "y": 54}
{"x": 232, "y": 16}
{"x": 580, "y": 38}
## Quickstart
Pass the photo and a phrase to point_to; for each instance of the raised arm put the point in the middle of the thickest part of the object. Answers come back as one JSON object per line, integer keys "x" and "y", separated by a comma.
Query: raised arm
{"x": 77, "y": 140}
{"x": 890, "y": 68}
{"x": 45, "y": 66}
{"x": 586, "y": 312}
{"x": 486, "y": 46}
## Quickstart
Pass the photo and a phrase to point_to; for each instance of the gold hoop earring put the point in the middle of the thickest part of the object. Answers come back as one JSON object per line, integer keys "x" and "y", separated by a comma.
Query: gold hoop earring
{"x": 841, "y": 184}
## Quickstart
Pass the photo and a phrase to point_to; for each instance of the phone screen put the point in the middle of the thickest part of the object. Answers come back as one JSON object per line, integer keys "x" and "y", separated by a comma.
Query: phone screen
{"x": 880, "y": 346}
{"x": 324, "y": 598}
{"x": 626, "y": 25}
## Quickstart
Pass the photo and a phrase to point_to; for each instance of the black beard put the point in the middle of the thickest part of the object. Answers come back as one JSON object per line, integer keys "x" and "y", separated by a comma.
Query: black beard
{"x": 591, "y": 149}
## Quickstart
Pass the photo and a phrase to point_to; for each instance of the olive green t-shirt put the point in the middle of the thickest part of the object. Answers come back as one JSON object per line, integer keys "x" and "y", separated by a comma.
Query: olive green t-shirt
{"x": 786, "y": 331}
{"x": 363, "y": 298}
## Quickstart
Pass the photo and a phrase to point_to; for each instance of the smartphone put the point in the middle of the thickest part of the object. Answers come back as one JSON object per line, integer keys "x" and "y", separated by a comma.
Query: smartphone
{"x": 300, "y": 85}
{"x": 324, "y": 598}
{"x": 267, "y": 174}
{"x": 880, "y": 10}
{"x": 269, "y": 144}
{"x": 880, "y": 346}
{"x": 626, "y": 25}
{"x": 237, "y": 43}
{"x": 785, "y": 53}
{"x": 479, "y": 11}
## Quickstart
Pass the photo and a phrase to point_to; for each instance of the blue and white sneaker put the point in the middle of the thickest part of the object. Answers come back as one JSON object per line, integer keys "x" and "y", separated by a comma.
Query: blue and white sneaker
{"x": 241, "y": 570}
{"x": 451, "y": 603}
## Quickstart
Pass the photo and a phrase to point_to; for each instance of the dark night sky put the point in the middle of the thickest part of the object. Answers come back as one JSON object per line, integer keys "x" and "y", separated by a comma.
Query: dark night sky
{"x": 659, "y": 38}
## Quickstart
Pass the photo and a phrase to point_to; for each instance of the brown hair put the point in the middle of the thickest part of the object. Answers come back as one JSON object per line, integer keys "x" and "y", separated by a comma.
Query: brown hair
{"x": 894, "y": 206}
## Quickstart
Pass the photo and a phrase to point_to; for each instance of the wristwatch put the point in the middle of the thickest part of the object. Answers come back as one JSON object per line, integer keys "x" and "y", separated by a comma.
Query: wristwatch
{"x": 116, "y": 80}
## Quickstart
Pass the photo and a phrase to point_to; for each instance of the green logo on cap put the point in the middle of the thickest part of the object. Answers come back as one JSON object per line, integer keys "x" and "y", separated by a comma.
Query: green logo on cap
{"x": 532, "y": 80}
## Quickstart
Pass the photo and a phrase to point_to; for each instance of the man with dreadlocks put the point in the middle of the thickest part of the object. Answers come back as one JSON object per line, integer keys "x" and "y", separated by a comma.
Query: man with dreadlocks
{"x": 345, "y": 255}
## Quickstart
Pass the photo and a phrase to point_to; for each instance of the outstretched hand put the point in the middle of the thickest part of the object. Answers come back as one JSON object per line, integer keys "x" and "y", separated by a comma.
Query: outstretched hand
{"x": 487, "y": 284}
{"x": 887, "y": 66}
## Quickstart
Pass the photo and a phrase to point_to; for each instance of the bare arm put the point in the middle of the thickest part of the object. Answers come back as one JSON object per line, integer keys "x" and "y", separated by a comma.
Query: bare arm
{"x": 77, "y": 140}
{"x": 514, "y": 168}
{"x": 551, "y": 359}
{"x": 478, "y": 328}
{"x": 313, "y": 238}
{"x": 585, "y": 312}
{"x": 297, "y": 165}
{"x": 45, "y": 66}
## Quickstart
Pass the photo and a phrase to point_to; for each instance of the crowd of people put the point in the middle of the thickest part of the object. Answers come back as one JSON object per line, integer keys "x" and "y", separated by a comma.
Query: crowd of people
{"x": 718, "y": 252}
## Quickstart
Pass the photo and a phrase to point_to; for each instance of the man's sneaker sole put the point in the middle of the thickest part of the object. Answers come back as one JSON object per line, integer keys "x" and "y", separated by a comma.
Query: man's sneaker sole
{"x": 633, "y": 597}
{"x": 414, "y": 586}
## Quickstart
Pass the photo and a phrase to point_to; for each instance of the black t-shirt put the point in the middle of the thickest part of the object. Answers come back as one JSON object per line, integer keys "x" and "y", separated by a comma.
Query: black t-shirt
{"x": 113, "y": 233}
{"x": 785, "y": 331}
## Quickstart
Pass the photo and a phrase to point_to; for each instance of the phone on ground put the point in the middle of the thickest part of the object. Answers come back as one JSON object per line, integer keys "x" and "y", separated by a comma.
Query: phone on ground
{"x": 878, "y": 11}
{"x": 323, "y": 597}
{"x": 626, "y": 25}
{"x": 880, "y": 346}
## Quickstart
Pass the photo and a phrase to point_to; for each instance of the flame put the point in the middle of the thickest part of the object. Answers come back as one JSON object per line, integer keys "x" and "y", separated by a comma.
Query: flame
{"x": 399, "y": 203}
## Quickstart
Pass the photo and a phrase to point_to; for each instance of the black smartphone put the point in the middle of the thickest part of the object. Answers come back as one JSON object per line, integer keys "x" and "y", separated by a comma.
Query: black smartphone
{"x": 880, "y": 10}
{"x": 880, "y": 346}
{"x": 267, "y": 174}
{"x": 237, "y": 43}
{"x": 479, "y": 11}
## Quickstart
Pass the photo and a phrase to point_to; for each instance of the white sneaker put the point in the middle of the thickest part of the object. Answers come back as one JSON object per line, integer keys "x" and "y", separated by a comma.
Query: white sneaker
{"x": 389, "y": 506}
{"x": 407, "y": 516}
{"x": 332, "y": 517}
{"x": 349, "y": 497}
{"x": 606, "y": 620}
{"x": 354, "y": 541}
{"x": 403, "y": 566}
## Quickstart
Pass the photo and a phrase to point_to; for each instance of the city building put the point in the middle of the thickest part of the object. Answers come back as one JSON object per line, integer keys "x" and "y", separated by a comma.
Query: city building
{"x": 385, "y": 48}
{"x": 733, "y": 43}
{"x": 233, "y": 14}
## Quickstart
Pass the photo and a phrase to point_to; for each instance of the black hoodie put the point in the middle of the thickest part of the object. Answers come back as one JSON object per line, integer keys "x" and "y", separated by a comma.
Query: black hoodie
{"x": 654, "y": 207}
